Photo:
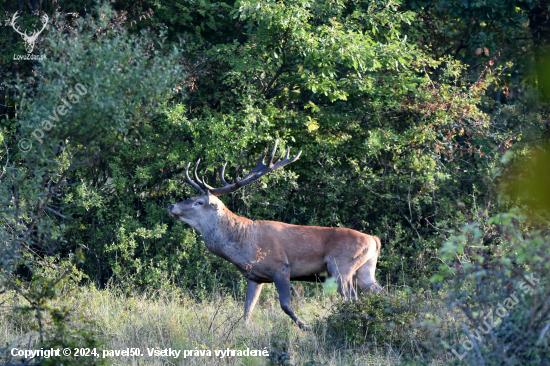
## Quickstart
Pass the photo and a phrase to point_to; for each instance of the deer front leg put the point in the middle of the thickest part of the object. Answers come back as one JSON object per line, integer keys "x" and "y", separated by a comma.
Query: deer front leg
{"x": 282, "y": 283}
{"x": 253, "y": 290}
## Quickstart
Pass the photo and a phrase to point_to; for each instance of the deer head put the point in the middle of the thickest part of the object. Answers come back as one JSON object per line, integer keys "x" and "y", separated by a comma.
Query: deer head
{"x": 200, "y": 209}
{"x": 29, "y": 39}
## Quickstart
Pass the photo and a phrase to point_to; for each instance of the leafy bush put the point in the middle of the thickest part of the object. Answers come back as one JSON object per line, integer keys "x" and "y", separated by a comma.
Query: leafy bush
{"x": 378, "y": 319}
{"x": 497, "y": 277}
{"x": 389, "y": 148}
{"x": 120, "y": 80}
{"x": 55, "y": 325}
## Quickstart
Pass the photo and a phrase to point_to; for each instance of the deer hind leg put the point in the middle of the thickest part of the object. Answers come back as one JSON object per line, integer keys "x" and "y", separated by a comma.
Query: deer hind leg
{"x": 344, "y": 278}
{"x": 364, "y": 276}
{"x": 253, "y": 290}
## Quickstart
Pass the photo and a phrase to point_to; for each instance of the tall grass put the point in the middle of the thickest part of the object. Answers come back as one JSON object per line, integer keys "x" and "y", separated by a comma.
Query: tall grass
{"x": 170, "y": 319}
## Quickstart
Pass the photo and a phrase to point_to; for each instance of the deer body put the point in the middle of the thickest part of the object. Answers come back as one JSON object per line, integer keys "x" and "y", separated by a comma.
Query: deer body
{"x": 275, "y": 252}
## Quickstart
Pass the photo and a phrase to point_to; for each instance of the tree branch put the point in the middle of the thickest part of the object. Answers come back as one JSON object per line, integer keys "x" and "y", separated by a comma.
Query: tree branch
{"x": 283, "y": 64}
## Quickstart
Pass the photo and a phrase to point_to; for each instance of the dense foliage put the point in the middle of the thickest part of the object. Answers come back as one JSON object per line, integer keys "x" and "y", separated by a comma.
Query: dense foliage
{"x": 499, "y": 295}
{"x": 403, "y": 112}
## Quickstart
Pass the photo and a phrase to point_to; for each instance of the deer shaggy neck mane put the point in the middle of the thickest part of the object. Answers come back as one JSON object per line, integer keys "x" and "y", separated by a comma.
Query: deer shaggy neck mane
{"x": 226, "y": 228}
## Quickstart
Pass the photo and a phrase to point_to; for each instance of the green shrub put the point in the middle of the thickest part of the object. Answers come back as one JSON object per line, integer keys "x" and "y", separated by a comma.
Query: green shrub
{"x": 121, "y": 81}
{"x": 376, "y": 318}
{"x": 496, "y": 272}
{"x": 54, "y": 324}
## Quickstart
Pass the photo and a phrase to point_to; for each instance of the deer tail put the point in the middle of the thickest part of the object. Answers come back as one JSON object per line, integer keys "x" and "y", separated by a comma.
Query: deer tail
{"x": 378, "y": 244}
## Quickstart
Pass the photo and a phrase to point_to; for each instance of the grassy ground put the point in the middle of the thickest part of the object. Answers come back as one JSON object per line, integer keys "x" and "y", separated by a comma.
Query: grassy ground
{"x": 165, "y": 320}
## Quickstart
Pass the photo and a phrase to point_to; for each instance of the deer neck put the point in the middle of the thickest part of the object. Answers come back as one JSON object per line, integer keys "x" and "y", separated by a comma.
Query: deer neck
{"x": 227, "y": 232}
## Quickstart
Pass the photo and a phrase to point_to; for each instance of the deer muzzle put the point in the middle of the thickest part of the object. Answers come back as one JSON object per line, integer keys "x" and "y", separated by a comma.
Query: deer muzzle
{"x": 170, "y": 213}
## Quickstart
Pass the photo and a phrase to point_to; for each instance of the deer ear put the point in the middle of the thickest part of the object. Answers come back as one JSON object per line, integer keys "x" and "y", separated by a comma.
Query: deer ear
{"x": 212, "y": 200}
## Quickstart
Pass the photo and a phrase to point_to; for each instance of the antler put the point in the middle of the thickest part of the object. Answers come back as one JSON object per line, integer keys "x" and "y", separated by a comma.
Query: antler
{"x": 259, "y": 171}
{"x": 190, "y": 181}
{"x": 13, "y": 18}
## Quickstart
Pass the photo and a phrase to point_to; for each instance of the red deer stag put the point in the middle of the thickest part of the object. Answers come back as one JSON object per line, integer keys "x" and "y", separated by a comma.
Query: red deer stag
{"x": 270, "y": 251}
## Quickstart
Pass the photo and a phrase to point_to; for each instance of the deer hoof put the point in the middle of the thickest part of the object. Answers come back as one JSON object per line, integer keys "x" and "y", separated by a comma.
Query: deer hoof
{"x": 375, "y": 289}
{"x": 303, "y": 326}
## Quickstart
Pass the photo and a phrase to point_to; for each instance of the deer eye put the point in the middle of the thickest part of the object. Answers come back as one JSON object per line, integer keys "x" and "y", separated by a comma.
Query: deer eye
{"x": 200, "y": 202}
